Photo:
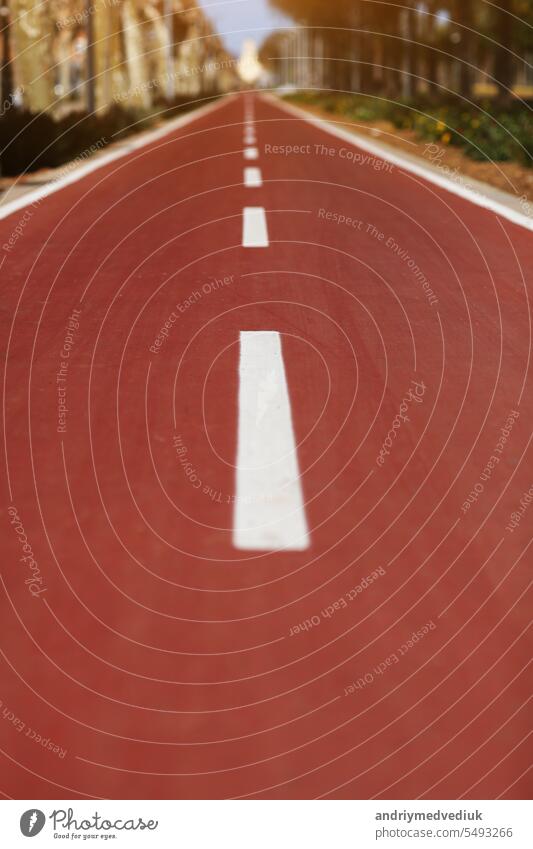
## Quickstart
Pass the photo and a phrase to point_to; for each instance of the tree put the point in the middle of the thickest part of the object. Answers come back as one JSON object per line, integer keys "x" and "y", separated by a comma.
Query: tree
{"x": 32, "y": 31}
{"x": 504, "y": 68}
{"x": 362, "y": 36}
{"x": 434, "y": 39}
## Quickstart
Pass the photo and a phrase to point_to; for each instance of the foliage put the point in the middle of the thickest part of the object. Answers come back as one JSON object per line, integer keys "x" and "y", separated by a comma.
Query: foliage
{"x": 420, "y": 43}
{"x": 29, "y": 142}
{"x": 485, "y": 133}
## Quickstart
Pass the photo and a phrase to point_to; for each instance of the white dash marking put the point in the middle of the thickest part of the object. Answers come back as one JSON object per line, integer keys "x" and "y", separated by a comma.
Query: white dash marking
{"x": 254, "y": 227}
{"x": 251, "y": 153}
{"x": 253, "y": 178}
{"x": 269, "y": 511}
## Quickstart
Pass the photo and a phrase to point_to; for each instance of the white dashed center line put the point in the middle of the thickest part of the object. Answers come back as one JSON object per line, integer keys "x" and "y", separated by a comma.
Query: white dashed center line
{"x": 269, "y": 510}
{"x": 253, "y": 178}
{"x": 254, "y": 227}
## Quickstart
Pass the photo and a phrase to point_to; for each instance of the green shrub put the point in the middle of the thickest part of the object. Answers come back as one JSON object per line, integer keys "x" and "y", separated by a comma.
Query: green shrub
{"x": 29, "y": 142}
{"x": 484, "y": 132}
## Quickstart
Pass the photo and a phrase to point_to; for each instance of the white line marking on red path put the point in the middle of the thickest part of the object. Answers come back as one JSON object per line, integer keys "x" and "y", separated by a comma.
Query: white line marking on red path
{"x": 123, "y": 149}
{"x": 254, "y": 228}
{"x": 251, "y": 153}
{"x": 269, "y": 507}
{"x": 253, "y": 178}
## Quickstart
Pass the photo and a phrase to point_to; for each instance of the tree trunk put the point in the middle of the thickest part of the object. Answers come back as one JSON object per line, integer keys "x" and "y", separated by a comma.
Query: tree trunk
{"x": 409, "y": 57}
{"x": 504, "y": 68}
{"x": 32, "y": 30}
{"x": 464, "y": 49}
{"x": 393, "y": 55}
{"x": 109, "y": 82}
{"x": 5, "y": 58}
{"x": 367, "y": 51}
{"x": 138, "y": 94}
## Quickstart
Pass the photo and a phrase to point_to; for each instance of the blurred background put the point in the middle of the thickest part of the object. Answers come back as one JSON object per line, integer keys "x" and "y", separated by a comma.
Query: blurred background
{"x": 404, "y": 49}
{"x": 457, "y": 71}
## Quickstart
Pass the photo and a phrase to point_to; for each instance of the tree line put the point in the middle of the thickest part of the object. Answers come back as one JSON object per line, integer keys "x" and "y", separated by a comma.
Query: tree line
{"x": 407, "y": 48}
{"x": 100, "y": 52}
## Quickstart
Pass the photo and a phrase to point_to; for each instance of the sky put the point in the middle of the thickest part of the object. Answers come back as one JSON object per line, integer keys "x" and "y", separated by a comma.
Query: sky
{"x": 255, "y": 17}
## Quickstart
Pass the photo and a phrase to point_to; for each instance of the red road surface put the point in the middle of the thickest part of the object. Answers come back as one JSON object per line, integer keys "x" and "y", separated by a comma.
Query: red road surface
{"x": 142, "y": 655}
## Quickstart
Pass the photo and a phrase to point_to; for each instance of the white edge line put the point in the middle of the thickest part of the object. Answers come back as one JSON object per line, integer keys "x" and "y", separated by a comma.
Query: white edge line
{"x": 420, "y": 170}
{"x": 131, "y": 143}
